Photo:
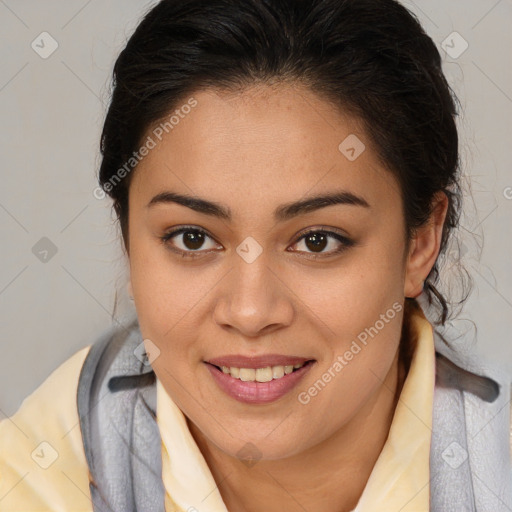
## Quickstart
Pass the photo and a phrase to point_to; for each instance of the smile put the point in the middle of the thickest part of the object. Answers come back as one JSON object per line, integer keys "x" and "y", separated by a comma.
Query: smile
{"x": 261, "y": 385}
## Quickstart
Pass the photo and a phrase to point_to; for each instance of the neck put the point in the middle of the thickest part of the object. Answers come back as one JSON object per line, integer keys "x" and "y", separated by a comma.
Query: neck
{"x": 337, "y": 469}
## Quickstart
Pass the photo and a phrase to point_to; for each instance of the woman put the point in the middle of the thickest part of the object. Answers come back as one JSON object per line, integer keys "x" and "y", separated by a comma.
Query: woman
{"x": 285, "y": 174}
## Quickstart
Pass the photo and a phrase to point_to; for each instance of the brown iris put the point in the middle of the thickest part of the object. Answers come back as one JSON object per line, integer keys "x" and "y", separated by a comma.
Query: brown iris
{"x": 316, "y": 241}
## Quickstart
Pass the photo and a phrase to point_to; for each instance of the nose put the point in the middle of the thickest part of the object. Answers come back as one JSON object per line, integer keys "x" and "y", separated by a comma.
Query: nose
{"x": 254, "y": 300}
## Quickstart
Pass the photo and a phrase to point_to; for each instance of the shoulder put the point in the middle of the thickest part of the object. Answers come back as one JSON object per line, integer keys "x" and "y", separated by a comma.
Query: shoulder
{"x": 42, "y": 462}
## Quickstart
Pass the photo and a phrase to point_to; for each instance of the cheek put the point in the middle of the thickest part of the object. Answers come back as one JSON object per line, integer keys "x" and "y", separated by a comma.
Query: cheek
{"x": 162, "y": 293}
{"x": 358, "y": 350}
{"x": 350, "y": 297}
{"x": 173, "y": 301}
{"x": 357, "y": 312}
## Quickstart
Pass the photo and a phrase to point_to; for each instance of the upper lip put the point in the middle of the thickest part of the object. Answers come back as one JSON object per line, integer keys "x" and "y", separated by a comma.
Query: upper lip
{"x": 263, "y": 361}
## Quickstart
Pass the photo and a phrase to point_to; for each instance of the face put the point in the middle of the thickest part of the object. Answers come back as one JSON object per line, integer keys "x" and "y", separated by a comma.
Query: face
{"x": 264, "y": 278}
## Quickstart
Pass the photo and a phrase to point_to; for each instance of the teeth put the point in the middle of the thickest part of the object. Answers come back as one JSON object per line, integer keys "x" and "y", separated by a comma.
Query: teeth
{"x": 264, "y": 374}
{"x": 260, "y": 374}
{"x": 277, "y": 372}
{"x": 247, "y": 374}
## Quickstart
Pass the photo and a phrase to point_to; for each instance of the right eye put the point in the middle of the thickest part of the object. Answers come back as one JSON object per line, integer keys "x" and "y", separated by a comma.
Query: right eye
{"x": 191, "y": 241}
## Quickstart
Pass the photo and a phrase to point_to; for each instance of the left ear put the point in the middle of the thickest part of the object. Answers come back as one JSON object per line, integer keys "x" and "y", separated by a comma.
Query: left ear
{"x": 424, "y": 247}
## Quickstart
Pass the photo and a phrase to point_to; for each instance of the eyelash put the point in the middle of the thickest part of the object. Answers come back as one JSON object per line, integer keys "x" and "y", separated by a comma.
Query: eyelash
{"x": 346, "y": 242}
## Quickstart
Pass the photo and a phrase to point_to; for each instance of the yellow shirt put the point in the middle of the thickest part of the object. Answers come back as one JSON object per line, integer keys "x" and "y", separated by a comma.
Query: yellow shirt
{"x": 43, "y": 465}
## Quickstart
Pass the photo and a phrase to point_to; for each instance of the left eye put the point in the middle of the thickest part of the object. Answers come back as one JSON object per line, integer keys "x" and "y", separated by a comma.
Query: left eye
{"x": 317, "y": 241}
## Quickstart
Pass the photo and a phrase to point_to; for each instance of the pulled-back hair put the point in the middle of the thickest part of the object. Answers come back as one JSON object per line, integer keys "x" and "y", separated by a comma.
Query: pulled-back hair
{"x": 370, "y": 58}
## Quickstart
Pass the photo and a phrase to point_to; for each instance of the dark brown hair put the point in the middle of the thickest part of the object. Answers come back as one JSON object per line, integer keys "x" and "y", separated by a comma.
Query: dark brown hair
{"x": 369, "y": 57}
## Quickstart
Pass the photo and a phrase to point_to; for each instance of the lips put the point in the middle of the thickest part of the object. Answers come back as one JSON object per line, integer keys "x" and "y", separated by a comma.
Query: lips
{"x": 258, "y": 393}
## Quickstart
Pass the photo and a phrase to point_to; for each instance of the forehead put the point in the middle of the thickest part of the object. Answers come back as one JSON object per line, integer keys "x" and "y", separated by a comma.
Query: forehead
{"x": 263, "y": 145}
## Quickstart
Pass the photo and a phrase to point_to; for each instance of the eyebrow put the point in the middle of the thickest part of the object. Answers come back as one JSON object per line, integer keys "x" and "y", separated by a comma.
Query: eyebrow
{"x": 281, "y": 214}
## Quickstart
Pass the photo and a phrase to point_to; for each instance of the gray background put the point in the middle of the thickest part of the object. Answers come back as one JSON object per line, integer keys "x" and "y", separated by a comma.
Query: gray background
{"x": 51, "y": 111}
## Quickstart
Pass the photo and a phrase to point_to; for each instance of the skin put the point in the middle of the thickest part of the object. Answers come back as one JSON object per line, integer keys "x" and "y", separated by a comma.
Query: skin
{"x": 252, "y": 151}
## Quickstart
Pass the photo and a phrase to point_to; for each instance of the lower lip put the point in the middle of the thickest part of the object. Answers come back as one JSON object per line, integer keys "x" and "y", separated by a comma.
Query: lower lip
{"x": 257, "y": 392}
